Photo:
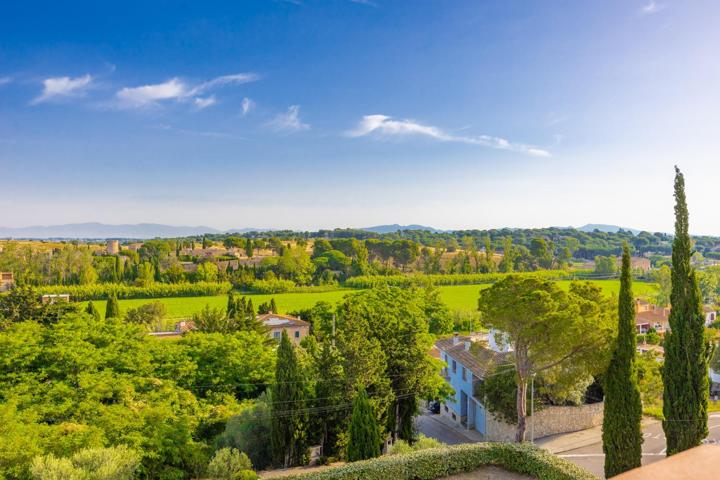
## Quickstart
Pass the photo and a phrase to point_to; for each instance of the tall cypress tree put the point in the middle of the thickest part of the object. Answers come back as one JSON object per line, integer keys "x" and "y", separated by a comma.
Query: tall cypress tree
{"x": 329, "y": 392}
{"x": 685, "y": 373}
{"x": 112, "y": 309}
{"x": 93, "y": 311}
{"x": 364, "y": 434}
{"x": 289, "y": 417}
{"x": 622, "y": 434}
{"x": 273, "y": 306}
{"x": 231, "y": 305}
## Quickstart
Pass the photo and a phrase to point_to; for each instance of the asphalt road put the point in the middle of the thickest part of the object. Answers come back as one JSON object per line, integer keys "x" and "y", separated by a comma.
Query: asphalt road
{"x": 592, "y": 458}
{"x": 431, "y": 426}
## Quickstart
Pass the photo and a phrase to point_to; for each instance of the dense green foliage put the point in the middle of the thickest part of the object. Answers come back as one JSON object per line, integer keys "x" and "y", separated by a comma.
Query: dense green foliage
{"x": 685, "y": 374}
{"x": 622, "y": 435}
{"x": 75, "y": 382}
{"x": 440, "y": 462}
{"x": 112, "y": 309}
{"x": 250, "y": 433}
{"x": 454, "y": 279}
{"x": 364, "y": 435}
{"x": 157, "y": 290}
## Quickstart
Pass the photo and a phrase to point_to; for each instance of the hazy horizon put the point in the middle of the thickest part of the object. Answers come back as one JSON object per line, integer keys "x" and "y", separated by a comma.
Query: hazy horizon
{"x": 308, "y": 114}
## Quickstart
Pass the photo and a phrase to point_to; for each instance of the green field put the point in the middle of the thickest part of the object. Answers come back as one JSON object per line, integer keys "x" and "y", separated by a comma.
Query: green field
{"x": 457, "y": 297}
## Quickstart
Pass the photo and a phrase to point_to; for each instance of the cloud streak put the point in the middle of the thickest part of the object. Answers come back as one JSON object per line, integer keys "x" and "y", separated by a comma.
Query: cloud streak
{"x": 386, "y": 126}
{"x": 247, "y": 105}
{"x": 289, "y": 121}
{"x": 5, "y": 80}
{"x": 56, "y": 87}
{"x": 651, "y": 7}
{"x": 176, "y": 89}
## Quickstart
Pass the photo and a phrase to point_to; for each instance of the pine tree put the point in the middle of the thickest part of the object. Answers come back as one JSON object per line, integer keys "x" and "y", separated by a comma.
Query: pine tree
{"x": 685, "y": 373}
{"x": 112, "y": 309}
{"x": 289, "y": 417}
{"x": 622, "y": 434}
{"x": 93, "y": 311}
{"x": 273, "y": 306}
{"x": 364, "y": 434}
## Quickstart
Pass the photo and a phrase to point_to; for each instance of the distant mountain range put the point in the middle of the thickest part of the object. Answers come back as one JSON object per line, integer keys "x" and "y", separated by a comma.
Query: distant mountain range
{"x": 96, "y": 230}
{"x": 591, "y": 227}
{"x": 395, "y": 227}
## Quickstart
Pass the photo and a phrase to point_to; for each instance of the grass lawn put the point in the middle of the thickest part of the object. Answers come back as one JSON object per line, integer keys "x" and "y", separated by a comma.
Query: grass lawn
{"x": 184, "y": 307}
{"x": 465, "y": 297}
{"x": 457, "y": 297}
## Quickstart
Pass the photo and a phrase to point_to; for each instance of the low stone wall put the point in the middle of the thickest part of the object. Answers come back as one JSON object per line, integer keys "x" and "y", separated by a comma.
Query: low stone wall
{"x": 548, "y": 421}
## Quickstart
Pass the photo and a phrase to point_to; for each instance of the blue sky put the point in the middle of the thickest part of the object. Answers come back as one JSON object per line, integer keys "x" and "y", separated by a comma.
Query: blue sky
{"x": 310, "y": 114}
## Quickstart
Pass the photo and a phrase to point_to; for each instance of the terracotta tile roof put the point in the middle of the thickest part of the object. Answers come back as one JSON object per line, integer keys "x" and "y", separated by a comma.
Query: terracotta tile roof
{"x": 650, "y": 317}
{"x": 479, "y": 359}
{"x": 277, "y": 320}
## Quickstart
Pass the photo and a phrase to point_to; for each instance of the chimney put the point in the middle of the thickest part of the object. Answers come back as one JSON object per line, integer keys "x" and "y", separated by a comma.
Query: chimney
{"x": 456, "y": 338}
{"x": 467, "y": 346}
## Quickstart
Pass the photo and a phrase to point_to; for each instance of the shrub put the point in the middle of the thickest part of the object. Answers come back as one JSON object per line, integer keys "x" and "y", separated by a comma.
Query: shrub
{"x": 440, "y": 462}
{"x": 249, "y": 432}
{"x": 272, "y": 286}
{"x": 230, "y": 464}
{"x": 101, "y": 291}
{"x": 117, "y": 463}
{"x": 401, "y": 447}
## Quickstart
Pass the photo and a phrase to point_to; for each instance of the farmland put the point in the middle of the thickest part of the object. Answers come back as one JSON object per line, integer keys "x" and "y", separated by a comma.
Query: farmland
{"x": 457, "y": 297}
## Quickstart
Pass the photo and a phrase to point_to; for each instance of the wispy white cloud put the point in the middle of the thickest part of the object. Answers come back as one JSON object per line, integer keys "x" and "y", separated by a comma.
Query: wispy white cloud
{"x": 177, "y": 89}
{"x": 289, "y": 121}
{"x": 5, "y": 80}
{"x": 55, "y": 87}
{"x": 384, "y": 125}
{"x": 651, "y": 7}
{"x": 200, "y": 133}
{"x": 204, "y": 102}
{"x": 247, "y": 105}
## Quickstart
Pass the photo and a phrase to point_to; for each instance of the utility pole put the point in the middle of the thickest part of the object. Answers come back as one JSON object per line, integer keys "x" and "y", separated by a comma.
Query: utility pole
{"x": 333, "y": 331}
{"x": 532, "y": 408}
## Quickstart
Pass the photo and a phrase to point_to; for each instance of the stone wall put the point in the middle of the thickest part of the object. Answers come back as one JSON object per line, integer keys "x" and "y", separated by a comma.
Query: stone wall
{"x": 548, "y": 421}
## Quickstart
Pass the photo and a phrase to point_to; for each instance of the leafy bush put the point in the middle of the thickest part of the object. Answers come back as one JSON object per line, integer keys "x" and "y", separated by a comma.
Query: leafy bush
{"x": 118, "y": 463}
{"x": 101, "y": 291}
{"x": 250, "y": 432}
{"x": 370, "y": 281}
{"x": 441, "y": 462}
{"x": 401, "y": 447}
{"x": 230, "y": 464}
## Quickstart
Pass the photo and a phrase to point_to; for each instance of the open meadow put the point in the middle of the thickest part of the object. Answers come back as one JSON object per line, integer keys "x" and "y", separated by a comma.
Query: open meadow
{"x": 457, "y": 297}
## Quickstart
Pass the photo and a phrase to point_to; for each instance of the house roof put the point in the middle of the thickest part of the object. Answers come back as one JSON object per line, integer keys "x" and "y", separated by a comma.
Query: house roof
{"x": 699, "y": 463}
{"x": 277, "y": 320}
{"x": 479, "y": 359}
{"x": 650, "y": 317}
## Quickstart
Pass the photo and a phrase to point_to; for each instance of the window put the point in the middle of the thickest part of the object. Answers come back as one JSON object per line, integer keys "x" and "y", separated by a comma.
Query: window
{"x": 276, "y": 335}
{"x": 464, "y": 377}
{"x": 454, "y": 364}
{"x": 297, "y": 333}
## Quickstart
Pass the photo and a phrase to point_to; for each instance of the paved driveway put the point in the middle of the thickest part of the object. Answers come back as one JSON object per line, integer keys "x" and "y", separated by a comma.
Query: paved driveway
{"x": 591, "y": 457}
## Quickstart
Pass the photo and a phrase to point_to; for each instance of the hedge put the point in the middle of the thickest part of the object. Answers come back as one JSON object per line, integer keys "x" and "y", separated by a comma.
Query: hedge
{"x": 369, "y": 281}
{"x": 100, "y": 291}
{"x": 440, "y": 462}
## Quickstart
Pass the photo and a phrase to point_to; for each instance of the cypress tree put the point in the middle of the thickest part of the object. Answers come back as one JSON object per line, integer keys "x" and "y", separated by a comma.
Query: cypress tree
{"x": 112, "y": 309}
{"x": 231, "y": 305}
{"x": 685, "y": 373}
{"x": 364, "y": 434}
{"x": 273, "y": 306}
{"x": 249, "y": 248}
{"x": 330, "y": 391}
{"x": 289, "y": 417}
{"x": 93, "y": 311}
{"x": 118, "y": 269}
{"x": 622, "y": 434}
